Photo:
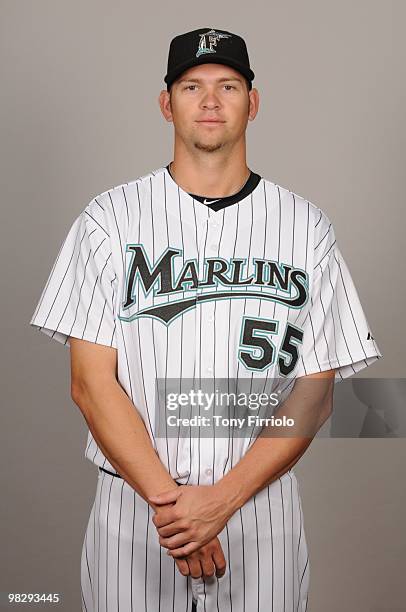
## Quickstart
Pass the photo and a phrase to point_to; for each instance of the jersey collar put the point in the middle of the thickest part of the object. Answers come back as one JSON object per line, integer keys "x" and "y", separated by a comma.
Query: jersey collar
{"x": 222, "y": 202}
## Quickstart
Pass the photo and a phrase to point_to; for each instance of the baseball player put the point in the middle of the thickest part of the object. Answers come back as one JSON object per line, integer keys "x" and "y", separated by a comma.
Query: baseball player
{"x": 201, "y": 270}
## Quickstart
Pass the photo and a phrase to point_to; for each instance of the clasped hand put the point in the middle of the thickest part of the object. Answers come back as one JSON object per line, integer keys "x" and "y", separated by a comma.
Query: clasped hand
{"x": 197, "y": 515}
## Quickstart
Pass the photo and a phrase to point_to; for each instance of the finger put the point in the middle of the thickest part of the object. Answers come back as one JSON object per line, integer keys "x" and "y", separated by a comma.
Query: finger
{"x": 183, "y": 566}
{"x": 173, "y": 529}
{"x": 166, "y": 497}
{"x": 185, "y": 550}
{"x": 195, "y": 567}
{"x": 180, "y": 539}
{"x": 208, "y": 566}
{"x": 219, "y": 561}
{"x": 164, "y": 517}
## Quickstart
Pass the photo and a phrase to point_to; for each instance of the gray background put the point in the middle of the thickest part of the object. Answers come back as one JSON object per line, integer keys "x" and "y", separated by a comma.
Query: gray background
{"x": 79, "y": 114}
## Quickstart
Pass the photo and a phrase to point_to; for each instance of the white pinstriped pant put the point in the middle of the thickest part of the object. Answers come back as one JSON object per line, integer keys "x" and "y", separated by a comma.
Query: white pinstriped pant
{"x": 124, "y": 568}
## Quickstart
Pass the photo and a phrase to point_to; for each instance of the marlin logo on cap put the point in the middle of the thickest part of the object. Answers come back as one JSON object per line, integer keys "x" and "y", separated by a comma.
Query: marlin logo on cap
{"x": 213, "y": 37}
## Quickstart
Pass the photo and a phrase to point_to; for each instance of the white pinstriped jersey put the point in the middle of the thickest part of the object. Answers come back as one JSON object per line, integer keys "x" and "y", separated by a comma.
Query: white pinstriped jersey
{"x": 258, "y": 289}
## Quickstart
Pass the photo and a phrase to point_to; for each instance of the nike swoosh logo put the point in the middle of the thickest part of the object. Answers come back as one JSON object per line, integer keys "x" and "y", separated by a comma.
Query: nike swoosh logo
{"x": 211, "y": 201}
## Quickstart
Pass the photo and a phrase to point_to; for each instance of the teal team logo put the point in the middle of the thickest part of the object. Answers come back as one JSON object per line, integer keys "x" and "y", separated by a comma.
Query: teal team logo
{"x": 209, "y": 40}
{"x": 222, "y": 274}
{"x": 271, "y": 280}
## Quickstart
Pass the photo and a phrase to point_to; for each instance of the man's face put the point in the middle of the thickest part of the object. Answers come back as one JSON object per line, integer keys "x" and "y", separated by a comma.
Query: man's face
{"x": 210, "y": 106}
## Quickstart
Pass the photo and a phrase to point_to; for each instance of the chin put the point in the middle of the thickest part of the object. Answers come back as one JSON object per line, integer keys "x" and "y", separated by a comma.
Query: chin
{"x": 209, "y": 143}
{"x": 209, "y": 147}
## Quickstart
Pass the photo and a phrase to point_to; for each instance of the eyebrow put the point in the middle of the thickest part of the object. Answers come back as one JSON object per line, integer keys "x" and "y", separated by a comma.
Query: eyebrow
{"x": 185, "y": 80}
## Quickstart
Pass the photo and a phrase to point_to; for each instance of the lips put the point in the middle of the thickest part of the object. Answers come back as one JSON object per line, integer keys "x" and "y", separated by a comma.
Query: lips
{"x": 210, "y": 122}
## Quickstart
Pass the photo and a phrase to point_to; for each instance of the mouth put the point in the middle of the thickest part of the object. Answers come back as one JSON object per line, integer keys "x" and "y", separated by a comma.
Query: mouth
{"x": 211, "y": 122}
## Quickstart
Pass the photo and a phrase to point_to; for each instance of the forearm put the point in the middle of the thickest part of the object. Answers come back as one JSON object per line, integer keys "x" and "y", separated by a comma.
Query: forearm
{"x": 265, "y": 461}
{"x": 270, "y": 456}
{"x": 121, "y": 435}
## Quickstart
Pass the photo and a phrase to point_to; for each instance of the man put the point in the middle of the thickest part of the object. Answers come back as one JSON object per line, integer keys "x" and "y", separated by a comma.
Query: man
{"x": 201, "y": 272}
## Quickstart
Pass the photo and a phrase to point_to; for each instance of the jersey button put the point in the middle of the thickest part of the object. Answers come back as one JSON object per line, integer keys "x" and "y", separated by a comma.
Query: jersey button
{"x": 208, "y": 472}
{"x": 209, "y": 370}
{"x": 210, "y": 319}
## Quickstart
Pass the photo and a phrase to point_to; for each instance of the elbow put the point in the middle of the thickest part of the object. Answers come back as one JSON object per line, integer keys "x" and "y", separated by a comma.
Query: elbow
{"x": 327, "y": 409}
{"x": 76, "y": 393}
{"x": 91, "y": 392}
{"x": 79, "y": 393}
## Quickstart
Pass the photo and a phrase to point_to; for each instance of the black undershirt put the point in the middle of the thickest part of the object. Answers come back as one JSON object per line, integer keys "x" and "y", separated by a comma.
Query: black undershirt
{"x": 220, "y": 203}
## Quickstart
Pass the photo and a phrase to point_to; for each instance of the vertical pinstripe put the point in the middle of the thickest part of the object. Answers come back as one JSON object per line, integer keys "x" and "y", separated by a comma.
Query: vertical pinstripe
{"x": 122, "y": 565}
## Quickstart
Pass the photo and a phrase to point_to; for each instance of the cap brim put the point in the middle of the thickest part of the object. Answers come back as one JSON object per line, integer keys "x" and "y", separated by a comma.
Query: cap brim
{"x": 209, "y": 59}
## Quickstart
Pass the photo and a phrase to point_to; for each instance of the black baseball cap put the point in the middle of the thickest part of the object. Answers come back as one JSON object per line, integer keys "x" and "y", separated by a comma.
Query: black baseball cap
{"x": 207, "y": 45}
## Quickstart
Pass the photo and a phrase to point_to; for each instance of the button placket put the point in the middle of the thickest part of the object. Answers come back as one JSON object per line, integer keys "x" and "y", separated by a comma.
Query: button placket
{"x": 214, "y": 239}
{"x": 208, "y": 247}
{"x": 207, "y": 308}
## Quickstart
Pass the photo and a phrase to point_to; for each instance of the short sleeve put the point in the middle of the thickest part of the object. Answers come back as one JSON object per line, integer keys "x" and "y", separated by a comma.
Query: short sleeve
{"x": 336, "y": 331}
{"x": 78, "y": 297}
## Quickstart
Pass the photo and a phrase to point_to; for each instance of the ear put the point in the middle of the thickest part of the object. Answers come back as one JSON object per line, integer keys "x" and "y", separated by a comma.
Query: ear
{"x": 165, "y": 104}
{"x": 253, "y": 104}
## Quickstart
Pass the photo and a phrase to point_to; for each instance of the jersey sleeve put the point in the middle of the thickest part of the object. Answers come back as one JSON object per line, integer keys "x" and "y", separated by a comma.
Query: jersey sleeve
{"x": 336, "y": 331}
{"x": 78, "y": 297}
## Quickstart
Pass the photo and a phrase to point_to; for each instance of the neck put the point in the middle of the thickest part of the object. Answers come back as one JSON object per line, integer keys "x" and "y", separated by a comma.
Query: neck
{"x": 210, "y": 177}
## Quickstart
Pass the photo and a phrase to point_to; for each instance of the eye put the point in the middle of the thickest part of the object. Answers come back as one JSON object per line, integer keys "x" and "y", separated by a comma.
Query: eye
{"x": 232, "y": 86}
{"x": 189, "y": 86}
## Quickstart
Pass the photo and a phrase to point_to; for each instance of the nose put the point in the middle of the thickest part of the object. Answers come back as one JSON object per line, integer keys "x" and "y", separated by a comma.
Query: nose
{"x": 210, "y": 100}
